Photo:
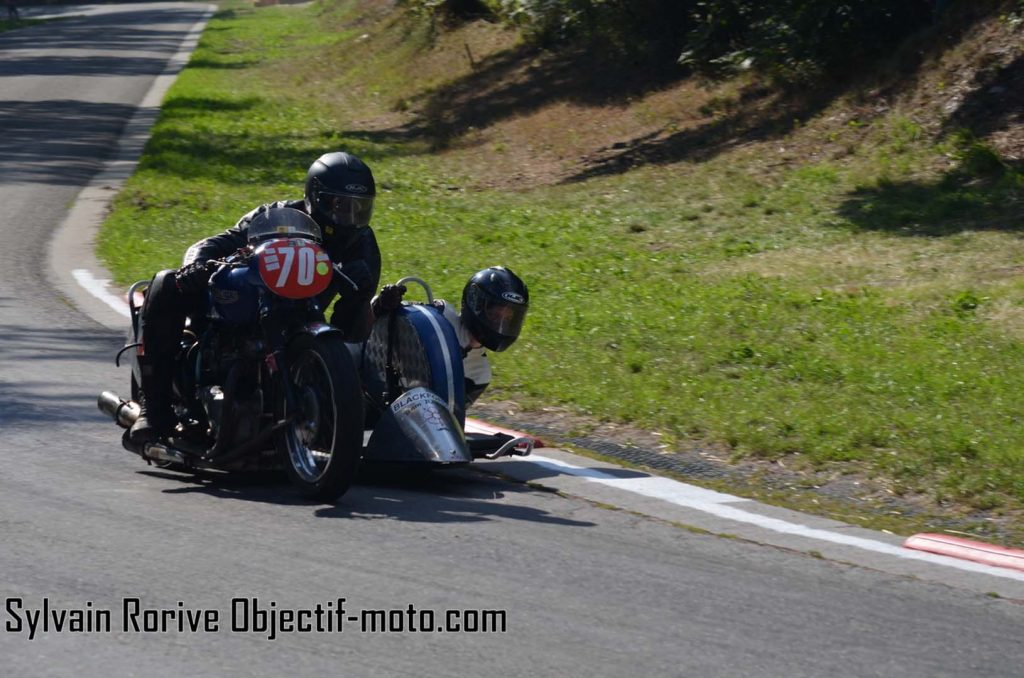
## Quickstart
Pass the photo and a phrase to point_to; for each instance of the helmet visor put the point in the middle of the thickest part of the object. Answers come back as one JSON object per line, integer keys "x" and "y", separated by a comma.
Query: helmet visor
{"x": 346, "y": 210}
{"x": 500, "y": 316}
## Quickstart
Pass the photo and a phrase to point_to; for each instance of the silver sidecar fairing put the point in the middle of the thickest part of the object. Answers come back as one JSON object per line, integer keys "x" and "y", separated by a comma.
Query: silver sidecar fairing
{"x": 412, "y": 373}
{"x": 418, "y": 427}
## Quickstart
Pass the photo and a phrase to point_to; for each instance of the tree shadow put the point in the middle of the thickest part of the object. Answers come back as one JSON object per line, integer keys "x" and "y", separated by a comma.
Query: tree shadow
{"x": 761, "y": 115}
{"x": 765, "y": 113}
{"x": 199, "y": 106}
{"x": 996, "y": 103}
{"x": 129, "y": 31}
{"x": 46, "y": 403}
{"x": 219, "y": 65}
{"x": 271, "y": 158}
{"x": 951, "y": 204}
{"x": 520, "y": 81}
{"x": 29, "y": 399}
{"x": 62, "y": 141}
{"x": 57, "y": 141}
{"x": 525, "y": 79}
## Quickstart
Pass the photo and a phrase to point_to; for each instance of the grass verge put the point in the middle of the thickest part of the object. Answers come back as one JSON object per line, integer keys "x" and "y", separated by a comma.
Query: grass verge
{"x": 8, "y": 25}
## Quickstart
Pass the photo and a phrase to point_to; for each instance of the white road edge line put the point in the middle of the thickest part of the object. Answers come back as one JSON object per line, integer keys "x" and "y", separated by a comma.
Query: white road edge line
{"x": 709, "y": 501}
{"x": 98, "y": 288}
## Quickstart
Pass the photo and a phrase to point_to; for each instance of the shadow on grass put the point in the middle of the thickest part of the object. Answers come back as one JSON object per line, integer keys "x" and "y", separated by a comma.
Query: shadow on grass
{"x": 997, "y": 101}
{"x": 952, "y": 204}
{"x": 525, "y": 79}
{"x": 761, "y": 116}
{"x": 764, "y": 114}
{"x": 272, "y": 158}
{"x": 522, "y": 81}
{"x": 220, "y": 65}
{"x": 203, "y": 105}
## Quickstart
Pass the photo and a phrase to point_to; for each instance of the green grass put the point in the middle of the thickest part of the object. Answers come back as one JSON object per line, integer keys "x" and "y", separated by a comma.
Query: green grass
{"x": 8, "y": 25}
{"x": 848, "y": 311}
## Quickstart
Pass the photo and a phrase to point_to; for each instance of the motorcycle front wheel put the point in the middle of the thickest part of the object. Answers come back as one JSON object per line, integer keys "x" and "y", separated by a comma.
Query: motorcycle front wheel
{"x": 322, "y": 446}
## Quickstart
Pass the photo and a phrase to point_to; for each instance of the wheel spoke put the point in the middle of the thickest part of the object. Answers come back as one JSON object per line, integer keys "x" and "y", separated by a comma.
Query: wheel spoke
{"x": 311, "y": 441}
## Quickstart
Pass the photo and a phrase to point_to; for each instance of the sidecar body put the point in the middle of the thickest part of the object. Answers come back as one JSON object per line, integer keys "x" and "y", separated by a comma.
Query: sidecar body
{"x": 413, "y": 381}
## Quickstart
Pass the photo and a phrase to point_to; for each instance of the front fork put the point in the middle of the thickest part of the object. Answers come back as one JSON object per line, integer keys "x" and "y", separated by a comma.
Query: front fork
{"x": 276, "y": 362}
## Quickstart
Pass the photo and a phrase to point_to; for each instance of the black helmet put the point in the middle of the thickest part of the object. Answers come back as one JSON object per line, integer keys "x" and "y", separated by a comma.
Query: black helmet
{"x": 339, "y": 194}
{"x": 494, "y": 304}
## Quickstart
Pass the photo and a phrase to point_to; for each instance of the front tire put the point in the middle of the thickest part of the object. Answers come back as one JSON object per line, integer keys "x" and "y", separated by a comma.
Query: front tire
{"x": 322, "y": 448}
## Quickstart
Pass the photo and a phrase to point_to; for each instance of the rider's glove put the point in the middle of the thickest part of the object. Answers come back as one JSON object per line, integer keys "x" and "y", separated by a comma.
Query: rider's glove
{"x": 193, "y": 278}
{"x": 389, "y": 299}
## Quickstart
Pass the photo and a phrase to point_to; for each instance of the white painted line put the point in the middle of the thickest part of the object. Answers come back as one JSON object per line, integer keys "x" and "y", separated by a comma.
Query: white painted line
{"x": 649, "y": 486}
{"x": 98, "y": 289}
{"x": 714, "y": 503}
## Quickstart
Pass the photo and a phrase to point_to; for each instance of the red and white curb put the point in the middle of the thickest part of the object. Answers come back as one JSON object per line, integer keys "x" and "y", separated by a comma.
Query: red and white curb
{"x": 970, "y": 556}
{"x": 968, "y": 549}
{"x": 477, "y": 426}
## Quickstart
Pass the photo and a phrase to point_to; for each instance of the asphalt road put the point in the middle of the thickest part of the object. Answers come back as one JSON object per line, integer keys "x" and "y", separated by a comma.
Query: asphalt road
{"x": 586, "y": 590}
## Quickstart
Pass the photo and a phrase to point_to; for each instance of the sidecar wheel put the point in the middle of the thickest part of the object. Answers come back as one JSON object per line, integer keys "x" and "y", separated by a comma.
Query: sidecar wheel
{"x": 321, "y": 450}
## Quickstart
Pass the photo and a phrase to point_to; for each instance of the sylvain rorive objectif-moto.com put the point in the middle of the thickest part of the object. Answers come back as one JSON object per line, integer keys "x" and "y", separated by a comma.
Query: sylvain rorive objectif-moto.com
{"x": 244, "y": 615}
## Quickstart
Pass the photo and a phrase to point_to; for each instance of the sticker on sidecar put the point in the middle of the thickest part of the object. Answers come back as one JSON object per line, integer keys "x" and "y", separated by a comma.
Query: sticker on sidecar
{"x": 415, "y": 399}
{"x": 425, "y": 407}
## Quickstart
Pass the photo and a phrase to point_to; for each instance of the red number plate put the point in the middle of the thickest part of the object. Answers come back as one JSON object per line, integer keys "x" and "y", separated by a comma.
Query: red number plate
{"x": 294, "y": 268}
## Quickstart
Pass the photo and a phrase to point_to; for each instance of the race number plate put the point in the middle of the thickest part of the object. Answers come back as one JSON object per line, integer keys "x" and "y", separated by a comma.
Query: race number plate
{"x": 294, "y": 268}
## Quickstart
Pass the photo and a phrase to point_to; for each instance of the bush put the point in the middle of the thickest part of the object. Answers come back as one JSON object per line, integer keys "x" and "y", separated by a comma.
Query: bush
{"x": 451, "y": 9}
{"x": 799, "y": 39}
{"x": 791, "y": 39}
{"x": 654, "y": 28}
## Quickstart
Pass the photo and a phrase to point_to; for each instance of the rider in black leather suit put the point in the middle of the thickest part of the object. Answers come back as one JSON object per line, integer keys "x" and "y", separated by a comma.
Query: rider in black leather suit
{"x": 339, "y": 195}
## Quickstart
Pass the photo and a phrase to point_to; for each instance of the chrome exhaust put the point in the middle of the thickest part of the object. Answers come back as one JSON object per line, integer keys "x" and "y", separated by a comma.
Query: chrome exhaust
{"x": 123, "y": 412}
{"x": 162, "y": 452}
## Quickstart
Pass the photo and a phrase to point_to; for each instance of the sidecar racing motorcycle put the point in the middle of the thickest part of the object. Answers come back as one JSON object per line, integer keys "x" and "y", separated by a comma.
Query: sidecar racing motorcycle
{"x": 264, "y": 382}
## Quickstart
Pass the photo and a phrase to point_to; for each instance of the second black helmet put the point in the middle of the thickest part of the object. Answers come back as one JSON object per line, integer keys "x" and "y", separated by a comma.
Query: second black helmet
{"x": 494, "y": 304}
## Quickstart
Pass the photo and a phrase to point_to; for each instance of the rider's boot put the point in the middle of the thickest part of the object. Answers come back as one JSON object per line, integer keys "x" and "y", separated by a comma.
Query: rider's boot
{"x": 156, "y": 418}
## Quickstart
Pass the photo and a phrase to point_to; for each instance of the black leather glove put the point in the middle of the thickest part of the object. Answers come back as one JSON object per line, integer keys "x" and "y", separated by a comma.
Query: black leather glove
{"x": 389, "y": 299}
{"x": 193, "y": 278}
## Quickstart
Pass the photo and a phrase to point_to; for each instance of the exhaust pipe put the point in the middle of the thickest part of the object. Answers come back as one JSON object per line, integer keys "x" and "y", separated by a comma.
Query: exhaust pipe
{"x": 162, "y": 452}
{"x": 124, "y": 413}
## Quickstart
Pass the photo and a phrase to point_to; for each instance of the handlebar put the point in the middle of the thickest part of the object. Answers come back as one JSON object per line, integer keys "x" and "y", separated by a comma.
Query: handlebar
{"x": 421, "y": 283}
{"x": 520, "y": 447}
